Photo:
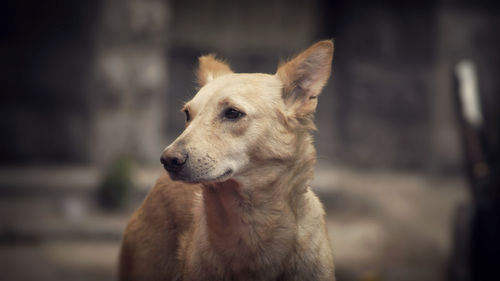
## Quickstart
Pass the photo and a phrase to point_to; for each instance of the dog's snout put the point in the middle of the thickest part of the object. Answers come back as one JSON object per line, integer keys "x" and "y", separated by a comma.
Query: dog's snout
{"x": 173, "y": 161}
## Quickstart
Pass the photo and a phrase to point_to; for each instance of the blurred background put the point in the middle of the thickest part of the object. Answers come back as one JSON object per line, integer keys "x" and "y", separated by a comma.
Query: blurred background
{"x": 408, "y": 139}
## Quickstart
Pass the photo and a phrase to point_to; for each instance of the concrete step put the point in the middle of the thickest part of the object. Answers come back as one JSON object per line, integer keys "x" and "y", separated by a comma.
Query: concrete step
{"x": 60, "y": 203}
{"x": 50, "y": 181}
{"x": 60, "y": 261}
{"x": 91, "y": 227}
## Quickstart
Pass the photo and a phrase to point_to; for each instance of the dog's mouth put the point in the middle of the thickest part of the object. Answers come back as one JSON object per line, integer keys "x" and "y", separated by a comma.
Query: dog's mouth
{"x": 225, "y": 176}
{"x": 189, "y": 178}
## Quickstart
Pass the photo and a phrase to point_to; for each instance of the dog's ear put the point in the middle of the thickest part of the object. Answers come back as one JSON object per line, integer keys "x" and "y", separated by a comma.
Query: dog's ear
{"x": 209, "y": 68}
{"x": 304, "y": 76}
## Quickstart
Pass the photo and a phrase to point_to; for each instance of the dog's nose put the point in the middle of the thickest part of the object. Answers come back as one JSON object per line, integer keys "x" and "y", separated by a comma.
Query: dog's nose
{"x": 173, "y": 161}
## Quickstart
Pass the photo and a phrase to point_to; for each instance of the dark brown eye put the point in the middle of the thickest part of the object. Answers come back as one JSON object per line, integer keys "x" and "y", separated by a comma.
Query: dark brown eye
{"x": 188, "y": 117}
{"x": 233, "y": 114}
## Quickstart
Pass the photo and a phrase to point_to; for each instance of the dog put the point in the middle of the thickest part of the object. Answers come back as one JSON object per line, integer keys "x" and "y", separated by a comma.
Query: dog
{"x": 235, "y": 202}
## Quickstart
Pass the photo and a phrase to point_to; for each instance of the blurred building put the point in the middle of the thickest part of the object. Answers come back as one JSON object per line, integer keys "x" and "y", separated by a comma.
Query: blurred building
{"x": 84, "y": 81}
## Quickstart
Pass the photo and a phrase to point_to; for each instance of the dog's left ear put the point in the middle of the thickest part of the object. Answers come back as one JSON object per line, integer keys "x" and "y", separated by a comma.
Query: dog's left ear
{"x": 305, "y": 76}
{"x": 210, "y": 68}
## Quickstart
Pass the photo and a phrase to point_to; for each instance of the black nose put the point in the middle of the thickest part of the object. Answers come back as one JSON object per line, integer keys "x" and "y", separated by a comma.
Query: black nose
{"x": 173, "y": 161}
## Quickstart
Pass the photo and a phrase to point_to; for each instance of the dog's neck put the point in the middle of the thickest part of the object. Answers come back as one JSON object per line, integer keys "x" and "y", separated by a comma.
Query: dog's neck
{"x": 252, "y": 207}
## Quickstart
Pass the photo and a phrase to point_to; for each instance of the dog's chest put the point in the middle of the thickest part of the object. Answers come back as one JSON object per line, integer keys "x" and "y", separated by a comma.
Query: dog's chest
{"x": 245, "y": 249}
{"x": 237, "y": 261}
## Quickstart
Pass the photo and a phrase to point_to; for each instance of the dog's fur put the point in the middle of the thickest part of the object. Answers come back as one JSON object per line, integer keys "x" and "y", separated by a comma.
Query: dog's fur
{"x": 239, "y": 206}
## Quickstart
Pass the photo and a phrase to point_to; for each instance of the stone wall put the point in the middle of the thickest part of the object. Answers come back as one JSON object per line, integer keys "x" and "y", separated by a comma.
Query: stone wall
{"x": 129, "y": 80}
{"x": 383, "y": 83}
{"x": 84, "y": 81}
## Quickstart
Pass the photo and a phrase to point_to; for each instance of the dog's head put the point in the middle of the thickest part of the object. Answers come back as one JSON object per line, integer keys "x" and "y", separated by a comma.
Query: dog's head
{"x": 239, "y": 121}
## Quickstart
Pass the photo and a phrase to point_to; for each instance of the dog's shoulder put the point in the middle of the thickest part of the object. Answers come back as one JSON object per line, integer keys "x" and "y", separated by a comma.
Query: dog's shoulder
{"x": 168, "y": 205}
{"x": 153, "y": 231}
{"x": 172, "y": 200}
{"x": 312, "y": 258}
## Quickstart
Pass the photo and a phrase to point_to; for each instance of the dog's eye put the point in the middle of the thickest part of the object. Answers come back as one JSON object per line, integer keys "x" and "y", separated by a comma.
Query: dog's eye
{"x": 233, "y": 114}
{"x": 188, "y": 117}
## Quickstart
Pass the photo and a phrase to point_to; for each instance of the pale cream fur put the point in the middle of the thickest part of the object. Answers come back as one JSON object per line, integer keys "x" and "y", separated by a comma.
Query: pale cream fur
{"x": 243, "y": 208}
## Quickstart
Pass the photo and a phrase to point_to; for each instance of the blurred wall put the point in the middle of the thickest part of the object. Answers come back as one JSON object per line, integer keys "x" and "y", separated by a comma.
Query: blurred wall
{"x": 46, "y": 56}
{"x": 84, "y": 81}
{"x": 129, "y": 80}
{"x": 382, "y": 106}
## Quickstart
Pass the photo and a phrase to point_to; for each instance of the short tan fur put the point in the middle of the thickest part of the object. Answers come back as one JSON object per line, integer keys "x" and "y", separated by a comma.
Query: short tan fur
{"x": 236, "y": 202}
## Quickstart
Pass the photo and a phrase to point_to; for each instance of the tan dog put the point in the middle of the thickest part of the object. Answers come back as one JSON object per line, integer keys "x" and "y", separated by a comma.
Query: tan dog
{"x": 239, "y": 206}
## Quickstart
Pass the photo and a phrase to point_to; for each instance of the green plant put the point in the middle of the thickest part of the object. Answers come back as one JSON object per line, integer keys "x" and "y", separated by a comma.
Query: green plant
{"x": 116, "y": 184}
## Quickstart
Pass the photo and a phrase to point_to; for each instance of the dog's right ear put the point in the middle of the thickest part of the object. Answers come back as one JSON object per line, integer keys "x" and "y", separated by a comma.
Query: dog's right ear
{"x": 209, "y": 68}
